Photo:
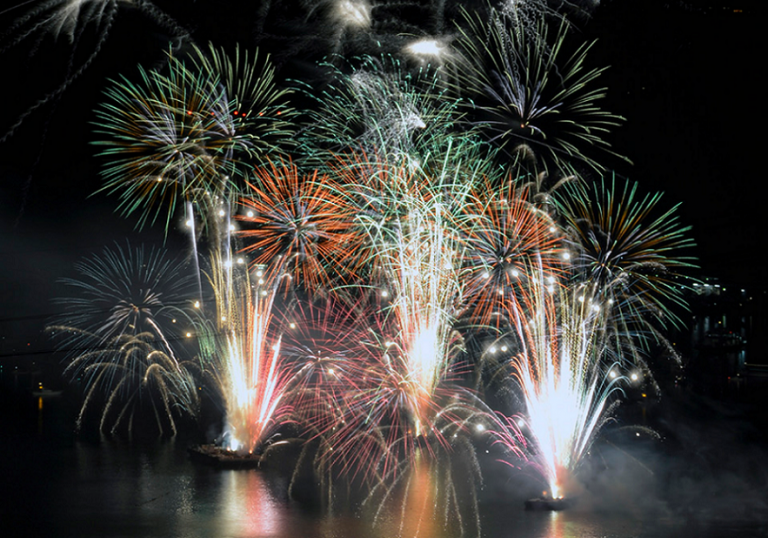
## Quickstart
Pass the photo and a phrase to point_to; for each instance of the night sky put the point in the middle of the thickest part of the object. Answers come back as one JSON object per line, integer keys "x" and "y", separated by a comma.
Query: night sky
{"x": 683, "y": 74}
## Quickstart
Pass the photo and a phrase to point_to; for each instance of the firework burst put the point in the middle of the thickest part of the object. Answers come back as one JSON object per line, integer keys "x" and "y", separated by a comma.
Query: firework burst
{"x": 527, "y": 95}
{"x": 504, "y": 237}
{"x": 123, "y": 332}
{"x": 301, "y": 225}
{"x": 629, "y": 251}
{"x": 178, "y": 136}
{"x": 381, "y": 108}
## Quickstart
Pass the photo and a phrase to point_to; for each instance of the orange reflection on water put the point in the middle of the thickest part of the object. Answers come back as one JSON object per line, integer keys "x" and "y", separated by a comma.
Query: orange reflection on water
{"x": 412, "y": 509}
{"x": 557, "y": 526}
{"x": 418, "y": 515}
{"x": 249, "y": 507}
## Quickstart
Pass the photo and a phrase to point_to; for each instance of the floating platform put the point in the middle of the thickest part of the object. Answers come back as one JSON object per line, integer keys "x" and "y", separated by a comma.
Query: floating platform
{"x": 221, "y": 458}
{"x": 544, "y": 503}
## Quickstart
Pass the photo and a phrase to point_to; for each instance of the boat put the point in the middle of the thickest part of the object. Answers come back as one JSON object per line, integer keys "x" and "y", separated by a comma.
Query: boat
{"x": 549, "y": 504}
{"x": 222, "y": 458}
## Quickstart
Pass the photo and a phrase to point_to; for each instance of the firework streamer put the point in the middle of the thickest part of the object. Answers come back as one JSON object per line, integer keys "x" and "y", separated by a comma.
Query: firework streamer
{"x": 123, "y": 332}
{"x": 70, "y": 18}
{"x": 631, "y": 254}
{"x": 527, "y": 95}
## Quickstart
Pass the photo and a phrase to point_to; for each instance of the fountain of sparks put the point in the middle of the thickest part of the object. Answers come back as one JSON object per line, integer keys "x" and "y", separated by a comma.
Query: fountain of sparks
{"x": 245, "y": 357}
{"x": 566, "y": 372}
{"x": 417, "y": 261}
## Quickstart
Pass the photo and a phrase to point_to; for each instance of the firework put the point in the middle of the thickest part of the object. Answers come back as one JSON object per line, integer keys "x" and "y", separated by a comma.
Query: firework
{"x": 301, "y": 225}
{"x": 381, "y": 108}
{"x": 259, "y": 109}
{"x": 325, "y": 370}
{"x": 630, "y": 252}
{"x": 70, "y": 18}
{"x": 369, "y": 266}
{"x": 136, "y": 376}
{"x": 504, "y": 237}
{"x": 242, "y": 355}
{"x": 528, "y": 96}
{"x": 406, "y": 338}
{"x": 126, "y": 291}
{"x": 177, "y": 137}
{"x": 123, "y": 331}
{"x": 566, "y": 373}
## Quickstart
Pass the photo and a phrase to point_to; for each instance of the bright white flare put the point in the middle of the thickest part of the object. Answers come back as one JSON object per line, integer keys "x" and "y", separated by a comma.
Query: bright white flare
{"x": 561, "y": 372}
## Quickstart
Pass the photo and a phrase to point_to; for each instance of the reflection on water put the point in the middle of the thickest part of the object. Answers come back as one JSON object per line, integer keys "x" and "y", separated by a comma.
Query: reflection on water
{"x": 410, "y": 509}
{"x": 111, "y": 489}
{"x": 248, "y": 508}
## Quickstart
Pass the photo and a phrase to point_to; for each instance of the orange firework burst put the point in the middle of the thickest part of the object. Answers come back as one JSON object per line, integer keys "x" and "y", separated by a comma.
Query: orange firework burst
{"x": 300, "y": 223}
{"x": 504, "y": 235}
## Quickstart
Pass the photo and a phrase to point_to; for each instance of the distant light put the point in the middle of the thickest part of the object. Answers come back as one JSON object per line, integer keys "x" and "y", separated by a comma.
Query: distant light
{"x": 250, "y": 214}
{"x": 566, "y": 255}
{"x": 480, "y": 427}
{"x": 384, "y": 293}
